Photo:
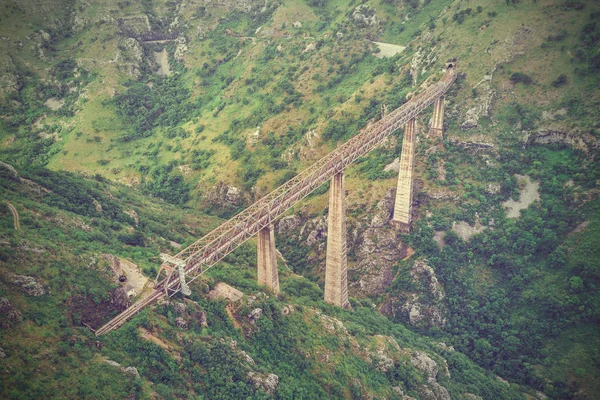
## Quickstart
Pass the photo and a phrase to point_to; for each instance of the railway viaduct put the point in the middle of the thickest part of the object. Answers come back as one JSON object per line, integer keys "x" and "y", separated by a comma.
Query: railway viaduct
{"x": 257, "y": 220}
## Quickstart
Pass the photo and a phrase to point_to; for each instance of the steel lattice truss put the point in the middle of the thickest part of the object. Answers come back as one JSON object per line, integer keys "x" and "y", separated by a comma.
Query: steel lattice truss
{"x": 210, "y": 249}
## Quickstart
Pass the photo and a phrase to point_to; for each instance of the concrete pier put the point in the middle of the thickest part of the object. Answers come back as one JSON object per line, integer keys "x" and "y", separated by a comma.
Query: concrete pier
{"x": 267, "y": 259}
{"x": 336, "y": 264}
{"x": 404, "y": 192}
{"x": 437, "y": 121}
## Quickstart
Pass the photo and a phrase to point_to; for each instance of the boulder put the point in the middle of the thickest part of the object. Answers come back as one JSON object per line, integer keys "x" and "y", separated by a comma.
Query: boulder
{"x": 255, "y": 315}
{"x": 267, "y": 382}
{"x": 2, "y": 353}
{"x": 181, "y": 323}
{"x": 131, "y": 371}
{"x": 200, "y": 316}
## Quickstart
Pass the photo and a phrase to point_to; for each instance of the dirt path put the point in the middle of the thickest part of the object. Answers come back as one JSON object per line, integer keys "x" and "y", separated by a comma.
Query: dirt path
{"x": 15, "y": 214}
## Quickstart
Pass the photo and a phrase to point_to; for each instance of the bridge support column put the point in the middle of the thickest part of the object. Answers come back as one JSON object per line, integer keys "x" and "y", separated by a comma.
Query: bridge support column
{"x": 267, "y": 259}
{"x": 336, "y": 264}
{"x": 404, "y": 192}
{"x": 437, "y": 121}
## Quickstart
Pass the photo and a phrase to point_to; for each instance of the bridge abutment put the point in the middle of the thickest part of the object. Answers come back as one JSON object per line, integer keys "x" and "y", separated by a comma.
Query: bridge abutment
{"x": 267, "y": 259}
{"x": 336, "y": 264}
{"x": 437, "y": 121}
{"x": 404, "y": 192}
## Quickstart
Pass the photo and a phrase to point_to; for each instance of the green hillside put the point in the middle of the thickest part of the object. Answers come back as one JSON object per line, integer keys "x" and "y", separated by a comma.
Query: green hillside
{"x": 136, "y": 127}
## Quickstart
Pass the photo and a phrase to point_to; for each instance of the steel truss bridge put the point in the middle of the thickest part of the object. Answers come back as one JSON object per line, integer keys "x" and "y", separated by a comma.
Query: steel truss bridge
{"x": 200, "y": 256}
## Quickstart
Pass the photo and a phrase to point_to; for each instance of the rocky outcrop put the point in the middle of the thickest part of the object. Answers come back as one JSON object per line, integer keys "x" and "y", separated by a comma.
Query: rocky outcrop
{"x": 119, "y": 298}
{"x": 225, "y": 197}
{"x": 474, "y": 147}
{"x": 365, "y": 16}
{"x": 255, "y": 315}
{"x": 181, "y": 323}
{"x": 432, "y": 390}
{"x": 315, "y": 231}
{"x": 422, "y": 305}
{"x": 181, "y": 48}
{"x": 129, "y": 57}
{"x": 267, "y": 382}
{"x": 2, "y": 353}
{"x": 28, "y": 284}
{"x": 378, "y": 249}
{"x": 582, "y": 142}
{"x": 480, "y": 105}
{"x": 128, "y": 370}
{"x": 187, "y": 313}
{"x": 9, "y": 315}
{"x": 9, "y": 80}
{"x": 287, "y": 224}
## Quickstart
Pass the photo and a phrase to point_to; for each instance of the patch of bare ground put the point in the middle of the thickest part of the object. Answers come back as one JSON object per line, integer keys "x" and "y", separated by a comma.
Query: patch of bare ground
{"x": 388, "y": 50}
{"x": 529, "y": 193}
{"x": 466, "y": 231}
{"x": 147, "y": 335}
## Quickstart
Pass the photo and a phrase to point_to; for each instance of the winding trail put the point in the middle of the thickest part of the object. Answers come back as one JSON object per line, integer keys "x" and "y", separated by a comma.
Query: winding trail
{"x": 15, "y": 214}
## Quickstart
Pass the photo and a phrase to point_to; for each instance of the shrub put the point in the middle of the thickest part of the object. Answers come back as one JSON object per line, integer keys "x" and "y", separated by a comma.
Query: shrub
{"x": 560, "y": 81}
{"x": 519, "y": 77}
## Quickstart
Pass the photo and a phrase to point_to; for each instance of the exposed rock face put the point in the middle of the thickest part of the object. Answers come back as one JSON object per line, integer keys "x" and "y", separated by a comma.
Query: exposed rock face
{"x": 423, "y": 306}
{"x": 224, "y": 196}
{"x": 129, "y": 57}
{"x": 364, "y": 16}
{"x": 9, "y": 80}
{"x": 378, "y": 249}
{"x": 480, "y": 105}
{"x": 115, "y": 266}
{"x": 181, "y": 323}
{"x": 128, "y": 370}
{"x": 288, "y": 224}
{"x": 268, "y": 382}
{"x": 131, "y": 371}
{"x": 475, "y": 147}
{"x": 394, "y": 166}
{"x": 373, "y": 244}
{"x": 316, "y": 232}
{"x": 201, "y": 318}
{"x": 28, "y": 285}
{"x": 582, "y": 142}
{"x": 181, "y": 48}
{"x": 255, "y": 315}
{"x": 246, "y": 6}
{"x": 432, "y": 390}
{"x": 9, "y": 315}
{"x": 2, "y": 353}
{"x": 119, "y": 298}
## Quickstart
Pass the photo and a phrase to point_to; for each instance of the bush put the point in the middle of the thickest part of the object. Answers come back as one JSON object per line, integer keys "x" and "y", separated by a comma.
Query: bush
{"x": 519, "y": 77}
{"x": 560, "y": 81}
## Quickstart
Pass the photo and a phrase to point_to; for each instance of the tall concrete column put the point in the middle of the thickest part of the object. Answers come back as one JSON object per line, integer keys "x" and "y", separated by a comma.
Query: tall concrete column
{"x": 336, "y": 264}
{"x": 437, "y": 121}
{"x": 267, "y": 259}
{"x": 404, "y": 193}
